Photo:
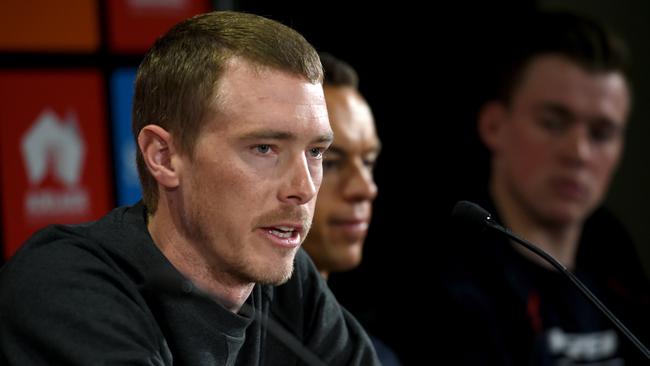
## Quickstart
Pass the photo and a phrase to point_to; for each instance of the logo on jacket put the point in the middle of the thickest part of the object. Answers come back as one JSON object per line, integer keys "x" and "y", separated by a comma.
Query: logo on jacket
{"x": 584, "y": 348}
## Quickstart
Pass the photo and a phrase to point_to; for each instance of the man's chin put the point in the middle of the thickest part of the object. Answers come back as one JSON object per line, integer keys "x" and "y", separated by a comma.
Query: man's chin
{"x": 277, "y": 276}
{"x": 567, "y": 214}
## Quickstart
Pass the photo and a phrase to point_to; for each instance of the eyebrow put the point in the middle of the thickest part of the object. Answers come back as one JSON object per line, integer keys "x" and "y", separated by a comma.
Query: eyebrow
{"x": 557, "y": 109}
{"x": 566, "y": 113}
{"x": 283, "y": 135}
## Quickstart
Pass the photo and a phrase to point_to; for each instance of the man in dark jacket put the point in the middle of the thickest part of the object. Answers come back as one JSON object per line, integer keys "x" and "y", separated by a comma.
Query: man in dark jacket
{"x": 231, "y": 124}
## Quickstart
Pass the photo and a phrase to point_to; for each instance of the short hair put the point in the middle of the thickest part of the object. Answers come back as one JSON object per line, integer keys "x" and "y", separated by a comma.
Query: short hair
{"x": 578, "y": 38}
{"x": 178, "y": 79}
{"x": 337, "y": 72}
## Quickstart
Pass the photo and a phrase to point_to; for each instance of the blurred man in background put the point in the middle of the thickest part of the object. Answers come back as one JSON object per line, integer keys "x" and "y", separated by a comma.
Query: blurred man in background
{"x": 555, "y": 130}
{"x": 344, "y": 206}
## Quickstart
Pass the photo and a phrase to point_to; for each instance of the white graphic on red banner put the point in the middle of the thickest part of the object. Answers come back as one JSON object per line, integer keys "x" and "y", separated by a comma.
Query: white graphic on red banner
{"x": 54, "y": 146}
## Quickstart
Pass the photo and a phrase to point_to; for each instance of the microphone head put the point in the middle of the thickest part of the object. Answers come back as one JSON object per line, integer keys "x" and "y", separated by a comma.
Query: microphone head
{"x": 471, "y": 213}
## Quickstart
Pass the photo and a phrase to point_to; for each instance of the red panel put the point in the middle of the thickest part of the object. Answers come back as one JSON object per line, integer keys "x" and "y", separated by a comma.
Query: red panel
{"x": 46, "y": 25}
{"x": 53, "y": 138}
{"x": 135, "y": 24}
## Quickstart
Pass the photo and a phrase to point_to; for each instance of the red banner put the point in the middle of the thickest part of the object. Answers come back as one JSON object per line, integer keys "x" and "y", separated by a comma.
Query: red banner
{"x": 53, "y": 148}
{"x": 134, "y": 25}
{"x": 46, "y": 25}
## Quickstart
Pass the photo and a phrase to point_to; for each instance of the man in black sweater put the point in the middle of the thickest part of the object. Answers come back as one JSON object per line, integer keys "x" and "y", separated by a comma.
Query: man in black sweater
{"x": 231, "y": 124}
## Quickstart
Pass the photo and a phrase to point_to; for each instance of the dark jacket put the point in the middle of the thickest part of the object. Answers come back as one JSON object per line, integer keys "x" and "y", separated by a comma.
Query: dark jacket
{"x": 102, "y": 293}
{"x": 500, "y": 308}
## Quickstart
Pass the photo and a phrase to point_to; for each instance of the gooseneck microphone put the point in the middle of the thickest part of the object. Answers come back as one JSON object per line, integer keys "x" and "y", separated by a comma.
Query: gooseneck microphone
{"x": 479, "y": 217}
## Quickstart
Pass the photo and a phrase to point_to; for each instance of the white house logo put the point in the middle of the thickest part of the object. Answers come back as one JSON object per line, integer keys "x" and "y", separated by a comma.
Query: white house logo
{"x": 54, "y": 146}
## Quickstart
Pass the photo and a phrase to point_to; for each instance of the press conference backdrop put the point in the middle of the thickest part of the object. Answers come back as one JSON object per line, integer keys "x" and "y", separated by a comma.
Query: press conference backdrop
{"x": 66, "y": 84}
{"x": 67, "y": 70}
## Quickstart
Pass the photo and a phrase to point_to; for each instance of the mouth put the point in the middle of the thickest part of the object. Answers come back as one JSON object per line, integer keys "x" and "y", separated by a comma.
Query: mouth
{"x": 355, "y": 229}
{"x": 570, "y": 189}
{"x": 284, "y": 235}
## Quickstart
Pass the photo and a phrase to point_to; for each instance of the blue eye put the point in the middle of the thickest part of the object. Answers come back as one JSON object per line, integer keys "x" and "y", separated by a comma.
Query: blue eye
{"x": 316, "y": 152}
{"x": 263, "y": 149}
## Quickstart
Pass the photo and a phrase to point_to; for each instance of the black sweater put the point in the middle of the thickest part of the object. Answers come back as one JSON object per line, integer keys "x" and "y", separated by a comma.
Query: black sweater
{"x": 102, "y": 293}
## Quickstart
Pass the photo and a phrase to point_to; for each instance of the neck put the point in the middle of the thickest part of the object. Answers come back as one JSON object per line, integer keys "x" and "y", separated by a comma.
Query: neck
{"x": 194, "y": 259}
{"x": 560, "y": 240}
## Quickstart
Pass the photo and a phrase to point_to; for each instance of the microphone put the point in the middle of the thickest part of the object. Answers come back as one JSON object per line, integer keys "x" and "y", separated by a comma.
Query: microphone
{"x": 477, "y": 216}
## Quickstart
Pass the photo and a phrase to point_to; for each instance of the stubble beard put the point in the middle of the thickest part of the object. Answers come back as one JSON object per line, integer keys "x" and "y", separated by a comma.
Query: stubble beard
{"x": 236, "y": 265}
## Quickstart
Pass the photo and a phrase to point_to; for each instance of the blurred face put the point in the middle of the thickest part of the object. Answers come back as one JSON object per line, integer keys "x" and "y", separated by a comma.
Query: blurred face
{"x": 249, "y": 190}
{"x": 560, "y": 140}
{"x": 344, "y": 205}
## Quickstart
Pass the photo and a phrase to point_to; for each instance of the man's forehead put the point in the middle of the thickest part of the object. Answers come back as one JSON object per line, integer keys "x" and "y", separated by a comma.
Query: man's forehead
{"x": 244, "y": 79}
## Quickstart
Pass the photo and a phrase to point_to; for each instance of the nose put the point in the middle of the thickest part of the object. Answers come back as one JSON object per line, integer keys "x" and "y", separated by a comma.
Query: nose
{"x": 359, "y": 184}
{"x": 577, "y": 147}
{"x": 301, "y": 184}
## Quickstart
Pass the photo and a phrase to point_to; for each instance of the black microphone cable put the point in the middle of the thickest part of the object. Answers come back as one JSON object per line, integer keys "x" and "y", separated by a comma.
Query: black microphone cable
{"x": 475, "y": 214}
{"x": 285, "y": 337}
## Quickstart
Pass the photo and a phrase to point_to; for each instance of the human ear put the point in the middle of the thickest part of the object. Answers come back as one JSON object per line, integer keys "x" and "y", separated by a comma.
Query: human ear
{"x": 157, "y": 148}
{"x": 491, "y": 119}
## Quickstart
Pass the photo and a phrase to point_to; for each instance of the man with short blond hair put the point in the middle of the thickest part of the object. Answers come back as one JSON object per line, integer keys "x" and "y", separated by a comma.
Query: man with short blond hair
{"x": 231, "y": 125}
